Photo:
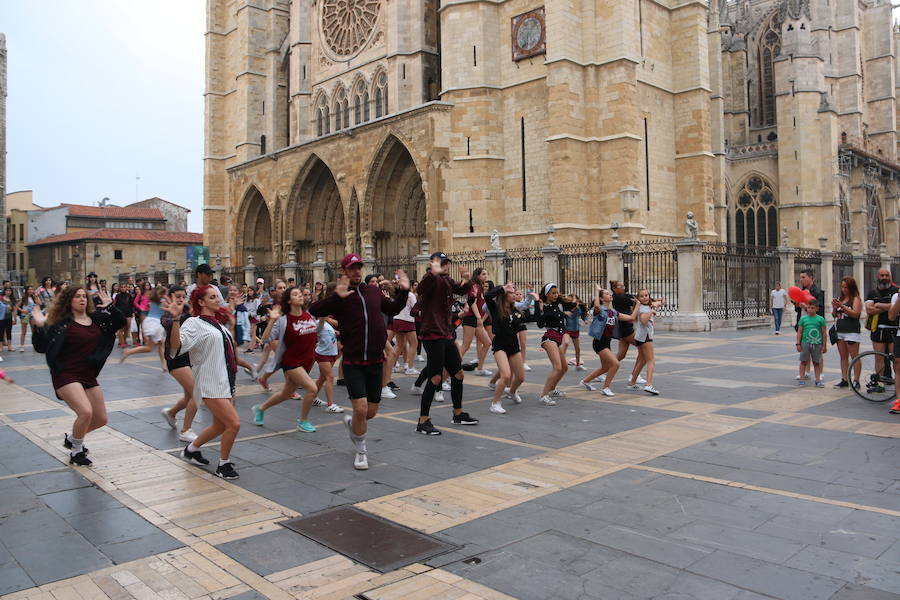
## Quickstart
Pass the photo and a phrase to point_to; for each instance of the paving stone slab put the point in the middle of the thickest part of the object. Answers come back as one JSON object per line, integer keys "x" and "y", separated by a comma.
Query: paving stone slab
{"x": 656, "y": 548}
{"x": 13, "y": 578}
{"x": 38, "y": 414}
{"x": 872, "y": 573}
{"x": 148, "y": 544}
{"x": 853, "y": 591}
{"x": 752, "y": 544}
{"x": 275, "y": 551}
{"x": 59, "y": 555}
{"x": 833, "y": 537}
{"x": 745, "y": 413}
{"x": 80, "y": 501}
{"x": 55, "y": 481}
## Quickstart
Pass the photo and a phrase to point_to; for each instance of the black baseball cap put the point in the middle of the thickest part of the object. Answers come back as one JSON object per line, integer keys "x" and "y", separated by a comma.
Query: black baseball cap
{"x": 441, "y": 256}
{"x": 91, "y": 274}
{"x": 204, "y": 268}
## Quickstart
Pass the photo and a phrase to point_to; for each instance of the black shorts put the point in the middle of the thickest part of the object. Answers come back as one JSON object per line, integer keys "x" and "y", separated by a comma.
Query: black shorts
{"x": 441, "y": 354}
{"x": 470, "y": 321}
{"x": 637, "y": 343}
{"x": 182, "y": 360}
{"x": 625, "y": 330}
{"x": 6, "y": 329}
{"x": 510, "y": 347}
{"x": 364, "y": 381}
{"x": 601, "y": 344}
{"x": 883, "y": 336}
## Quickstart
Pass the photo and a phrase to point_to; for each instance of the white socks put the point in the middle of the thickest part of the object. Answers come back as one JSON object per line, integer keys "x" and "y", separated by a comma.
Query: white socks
{"x": 77, "y": 445}
{"x": 223, "y": 461}
{"x": 192, "y": 448}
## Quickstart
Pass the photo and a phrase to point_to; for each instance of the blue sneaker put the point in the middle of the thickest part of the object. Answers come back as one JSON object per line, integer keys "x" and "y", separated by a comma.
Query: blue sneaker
{"x": 259, "y": 415}
{"x": 305, "y": 426}
{"x": 801, "y": 382}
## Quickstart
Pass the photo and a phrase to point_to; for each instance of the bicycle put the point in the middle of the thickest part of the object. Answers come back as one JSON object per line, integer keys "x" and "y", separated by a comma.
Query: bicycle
{"x": 875, "y": 386}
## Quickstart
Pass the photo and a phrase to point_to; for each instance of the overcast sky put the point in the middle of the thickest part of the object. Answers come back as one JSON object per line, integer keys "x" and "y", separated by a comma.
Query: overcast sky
{"x": 102, "y": 92}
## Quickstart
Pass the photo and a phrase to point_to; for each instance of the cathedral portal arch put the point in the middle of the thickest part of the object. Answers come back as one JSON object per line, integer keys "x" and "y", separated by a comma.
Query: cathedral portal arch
{"x": 314, "y": 217}
{"x": 254, "y": 230}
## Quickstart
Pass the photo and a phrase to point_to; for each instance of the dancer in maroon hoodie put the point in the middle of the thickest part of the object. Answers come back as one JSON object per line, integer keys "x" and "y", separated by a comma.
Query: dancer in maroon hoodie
{"x": 435, "y": 299}
{"x": 357, "y": 307}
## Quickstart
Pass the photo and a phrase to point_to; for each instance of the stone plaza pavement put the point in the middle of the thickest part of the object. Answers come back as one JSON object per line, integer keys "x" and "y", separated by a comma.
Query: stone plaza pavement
{"x": 734, "y": 483}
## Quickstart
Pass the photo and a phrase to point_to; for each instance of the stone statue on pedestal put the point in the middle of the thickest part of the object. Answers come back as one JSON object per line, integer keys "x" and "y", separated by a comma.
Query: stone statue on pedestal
{"x": 691, "y": 227}
{"x": 495, "y": 239}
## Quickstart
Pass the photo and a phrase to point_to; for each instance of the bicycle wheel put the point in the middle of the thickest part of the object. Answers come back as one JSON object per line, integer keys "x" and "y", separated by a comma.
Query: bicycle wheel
{"x": 874, "y": 386}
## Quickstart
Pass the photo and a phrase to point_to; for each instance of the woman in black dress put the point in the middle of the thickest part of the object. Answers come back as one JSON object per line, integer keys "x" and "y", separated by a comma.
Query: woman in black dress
{"x": 76, "y": 338}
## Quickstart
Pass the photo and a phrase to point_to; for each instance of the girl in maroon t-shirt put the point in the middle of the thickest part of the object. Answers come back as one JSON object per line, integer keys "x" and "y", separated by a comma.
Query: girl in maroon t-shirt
{"x": 602, "y": 331}
{"x": 474, "y": 319}
{"x": 297, "y": 333}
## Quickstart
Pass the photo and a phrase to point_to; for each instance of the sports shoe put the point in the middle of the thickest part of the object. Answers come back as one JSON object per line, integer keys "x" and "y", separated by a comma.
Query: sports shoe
{"x": 777, "y": 333}
{"x": 547, "y": 400}
{"x": 526, "y": 367}
{"x": 420, "y": 358}
{"x": 820, "y": 384}
{"x": 264, "y": 384}
{"x": 557, "y": 394}
{"x": 187, "y": 436}
{"x": 470, "y": 366}
{"x": 227, "y": 471}
{"x": 168, "y": 417}
{"x": 393, "y": 385}
{"x": 602, "y": 378}
{"x": 439, "y": 396}
{"x": 806, "y": 376}
{"x": 410, "y": 371}
{"x": 397, "y": 369}
{"x": 361, "y": 462}
{"x": 633, "y": 386}
{"x": 580, "y": 367}
{"x": 510, "y": 396}
{"x": 387, "y": 394}
{"x": 571, "y": 362}
{"x": 484, "y": 372}
{"x": 843, "y": 384}
{"x": 640, "y": 380}
{"x": 68, "y": 445}
{"x": 587, "y": 385}
{"x": 651, "y": 390}
{"x": 607, "y": 392}
{"x": 195, "y": 458}
{"x": 295, "y": 396}
{"x": 445, "y": 386}
{"x": 856, "y": 385}
{"x": 305, "y": 426}
{"x": 415, "y": 389}
{"x": 259, "y": 415}
{"x": 251, "y": 372}
{"x": 319, "y": 402}
{"x": 463, "y": 418}
{"x": 80, "y": 459}
{"x": 427, "y": 428}
{"x": 497, "y": 408}
{"x": 803, "y": 382}
{"x": 334, "y": 408}
{"x": 895, "y": 409}
{"x": 492, "y": 385}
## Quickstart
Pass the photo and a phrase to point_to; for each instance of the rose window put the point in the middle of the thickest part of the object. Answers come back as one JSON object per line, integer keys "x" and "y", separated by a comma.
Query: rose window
{"x": 348, "y": 24}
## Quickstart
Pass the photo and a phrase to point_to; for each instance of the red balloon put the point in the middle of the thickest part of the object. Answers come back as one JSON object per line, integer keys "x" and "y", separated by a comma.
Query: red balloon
{"x": 808, "y": 295}
{"x": 797, "y": 295}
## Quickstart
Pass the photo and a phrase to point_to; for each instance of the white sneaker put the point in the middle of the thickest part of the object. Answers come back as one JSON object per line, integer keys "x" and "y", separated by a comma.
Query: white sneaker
{"x": 507, "y": 394}
{"x": 527, "y": 367}
{"x": 634, "y": 386}
{"x": 410, "y": 371}
{"x": 361, "y": 462}
{"x": 497, "y": 408}
{"x": 439, "y": 396}
{"x": 602, "y": 378}
{"x": 557, "y": 394}
{"x": 580, "y": 367}
{"x": 607, "y": 392}
{"x": 387, "y": 394}
{"x": 445, "y": 386}
{"x": 492, "y": 385}
{"x": 420, "y": 358}
{"x": 517, "y": 398}
{"x": 547, "y": 400}
{"x": 334, "y": 408}
{"x": 415, "y": 389}
{"x": 168, "y": 417}
{"x": 587, "y": 386}
{"x": 483, "y": 372}
{"x": 804, "y": 377}
{"x": 651, "y": 390}
{"x": 640, "y": 380}
{"x": 318, "y": 402}
{"x": 397, "y": 369}
{"x": 187, "y": 436}
{"x": 571, "y": 362}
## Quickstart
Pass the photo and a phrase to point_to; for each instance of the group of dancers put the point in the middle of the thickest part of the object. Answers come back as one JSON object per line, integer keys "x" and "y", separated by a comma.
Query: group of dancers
{"x": 197, "y": 334}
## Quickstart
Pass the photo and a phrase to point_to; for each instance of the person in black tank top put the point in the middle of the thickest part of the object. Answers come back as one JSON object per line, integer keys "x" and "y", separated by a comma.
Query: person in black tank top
{"x": 624, "y": 304}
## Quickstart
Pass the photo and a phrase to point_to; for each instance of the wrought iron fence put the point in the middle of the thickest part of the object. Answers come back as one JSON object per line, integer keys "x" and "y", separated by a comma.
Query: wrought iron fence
{"x": 305, "y": 274}
{"x": 653, "y": 266}
{"x": 524, "y": 266}
{"x": 270, "y": 273}
{"x": 160, "y": 278}
{"x": 580, "y": 267}
{"x": 386, "y": 265}
{"x": 737, "y": 280}
{"x": 472, "y": 260}
{"x": 807, "y": 258}
{"x": 235, "y": 273}
{"x": 841, "y": 266}
{"x": 871, "y": 265}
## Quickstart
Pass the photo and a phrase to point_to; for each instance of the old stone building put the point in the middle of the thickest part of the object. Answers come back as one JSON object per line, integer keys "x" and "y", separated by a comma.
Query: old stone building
{"x": 371, "y": 125}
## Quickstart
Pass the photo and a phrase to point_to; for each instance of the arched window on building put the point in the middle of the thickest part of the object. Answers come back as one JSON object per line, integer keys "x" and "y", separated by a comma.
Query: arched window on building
{"x": 381, "y": 95}
{"x": 874, "y": 224}
{"x": 323, "y": 117}
{"x": 769, "y": 48}
{"x": 360, "y": 102}
{"x": 340, "y": 101}
{"x": 756, "y": 214}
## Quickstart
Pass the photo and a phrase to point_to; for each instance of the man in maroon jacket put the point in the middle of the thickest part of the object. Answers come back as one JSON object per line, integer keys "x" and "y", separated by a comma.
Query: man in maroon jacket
{"x": 435, "y": 297}
{"x": 357, "y": 307}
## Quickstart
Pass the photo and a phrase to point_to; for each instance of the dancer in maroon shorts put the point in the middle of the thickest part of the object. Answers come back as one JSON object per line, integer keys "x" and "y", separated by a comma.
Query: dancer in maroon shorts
{"x": 77, "y": 338}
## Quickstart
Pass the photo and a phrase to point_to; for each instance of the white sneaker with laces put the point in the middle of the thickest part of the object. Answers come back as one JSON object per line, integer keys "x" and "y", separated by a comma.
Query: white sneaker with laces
{"x": 410, "y": 371}
{"x": 633, "y": 386}
{"x": 492, "y": 385}
{"x": 318, "y": 402}
{"x": 640, "y": 380}
{"x": 334, "y": 408}
{"x": 361, "y": 462}
{"x": 439, "y": 396}
{"x": 557, "y": 394}
{"x": 651, "y": 390}
{"x": 445, "y": 386}
{"x": 387, "y": 394}
{"x": 580, "y": 367}
{"x": 420, "y": 358}
{"x": 497, "y": 408}
{"x": 415, "y": 389}
{"x": 571, "y": 362}
{"x": 187, "y": 436}
{"x": 607, "y": 392}
{"x": 547, "y": 401}
{"x": 527, "y": 367}
{"x": 483, "y": 372}
{"x": 587, "y": 386}
{"x": 517, "y": 398}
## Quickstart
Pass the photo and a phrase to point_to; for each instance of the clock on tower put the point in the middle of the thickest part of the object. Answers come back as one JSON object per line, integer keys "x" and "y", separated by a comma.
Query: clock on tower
{"x": 528, "y": 34}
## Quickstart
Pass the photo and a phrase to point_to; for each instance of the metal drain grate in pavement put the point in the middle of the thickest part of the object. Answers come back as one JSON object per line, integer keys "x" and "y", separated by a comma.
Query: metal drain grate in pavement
{"x": 368, "y": 539}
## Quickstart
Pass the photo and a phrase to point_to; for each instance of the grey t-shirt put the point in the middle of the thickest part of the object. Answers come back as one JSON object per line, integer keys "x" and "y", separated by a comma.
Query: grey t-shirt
{"x": 642, "y": 332}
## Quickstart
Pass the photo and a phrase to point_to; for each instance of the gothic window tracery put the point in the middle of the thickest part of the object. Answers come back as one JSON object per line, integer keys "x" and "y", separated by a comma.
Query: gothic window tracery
{"x": 381, "y": 95}
{"x": 769, "y": 49}
{"x": 347, "y": 25}
{"x": 341, "y": 110}
{"x": 756, "y": 214}
{"x": 323, "y": 117}
{"x": 360, "y": 102}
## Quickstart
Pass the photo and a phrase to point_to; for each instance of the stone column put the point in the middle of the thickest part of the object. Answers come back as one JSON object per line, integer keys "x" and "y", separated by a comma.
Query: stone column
{"x": 250, "y": 272}
{"x": 690, "y": 315}
{"x": 551, "y": 263}
{"x": 786, "y": 256}
{"x": 496, "y": 268}
{"x": 218, "y": 268}
{"x": 172, "y": 274}
{"x": 290, "y": 267}
{"x": 885, "y": 257}
{"x": 422, "y": 260}
{"x": 859, "y": 268}
{"x": 368, "y": 259}
{"x": 133, "y": 273}
{"x": 827, "y": 273}
{"x": 319, "y": 266}
{"x": 615, "y": 270}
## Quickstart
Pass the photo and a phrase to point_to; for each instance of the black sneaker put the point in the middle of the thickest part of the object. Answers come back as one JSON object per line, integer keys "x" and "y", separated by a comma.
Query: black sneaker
{"x": 68, "y": 445}
{"x": 856, "y": 385}
{"x": 194, "y": 458}
{"x": 340, "y": 382}
{"x": 427, "y": 428}
{"x": 469, "y": 366}
{"x": 226, "y": 471}
{"x": 393, "y": 385}
{"x": 842, "y": 384}
{"x": 463, "y": 418}
{"x": 80, "y": 459}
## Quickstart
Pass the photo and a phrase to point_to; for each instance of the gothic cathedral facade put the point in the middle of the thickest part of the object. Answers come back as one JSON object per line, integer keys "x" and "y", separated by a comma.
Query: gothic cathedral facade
{"x": 370, "y": 125}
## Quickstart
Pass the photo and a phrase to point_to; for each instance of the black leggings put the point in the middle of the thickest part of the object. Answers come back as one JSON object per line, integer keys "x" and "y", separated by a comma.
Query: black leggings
{"x": 6, "y": 330}
{"x": 442, "y": 354}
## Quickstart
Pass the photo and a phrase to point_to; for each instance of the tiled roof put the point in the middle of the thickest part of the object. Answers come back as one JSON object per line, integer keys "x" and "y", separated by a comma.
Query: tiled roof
{"x": 125, "y": 235}
{"x": 114, "y": 212}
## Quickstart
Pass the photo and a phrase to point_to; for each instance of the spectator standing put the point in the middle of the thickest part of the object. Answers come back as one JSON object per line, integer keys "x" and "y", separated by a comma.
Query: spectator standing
{"x": 846, "y": 311}
{"x": 811, "y": 342}
{"x": 878, "y": 303}
{"x": 777, "y": 300}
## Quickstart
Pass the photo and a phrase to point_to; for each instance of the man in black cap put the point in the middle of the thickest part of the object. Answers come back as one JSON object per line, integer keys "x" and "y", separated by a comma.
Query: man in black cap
{"x": 203, "y": 275}
{"x": 435, "y": 298}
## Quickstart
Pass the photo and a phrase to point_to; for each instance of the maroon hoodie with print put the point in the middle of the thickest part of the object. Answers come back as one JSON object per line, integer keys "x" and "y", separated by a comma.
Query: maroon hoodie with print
{"x": 435, "y": 297}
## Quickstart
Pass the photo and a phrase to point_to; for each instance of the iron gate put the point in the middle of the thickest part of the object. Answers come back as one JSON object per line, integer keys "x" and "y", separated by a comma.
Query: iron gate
{"x": 653, "y": 266}
{"x": 581, "y": 266}
{"x": 737, "y": 280}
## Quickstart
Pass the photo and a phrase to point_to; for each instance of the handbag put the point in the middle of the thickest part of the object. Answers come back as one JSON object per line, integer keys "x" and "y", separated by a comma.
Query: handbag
{"x": 847, "y": 325}
{"x": 832, "y": 335}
